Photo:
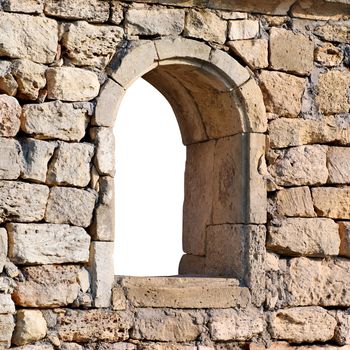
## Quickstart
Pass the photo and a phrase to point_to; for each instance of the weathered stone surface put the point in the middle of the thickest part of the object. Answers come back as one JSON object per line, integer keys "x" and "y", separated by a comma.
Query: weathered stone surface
{"x": 169, "y": 346}
{"x": 11, "y": 160}
{"x": 298, "y": 166}
{"x": 308, "y": 324}
{"x": 91, "y": 45}
{"x": 94, "y": 325}
{"x": 70, "y": 206}
{"x": 334, "y": 32}
{"x": 117, "y": 12}
{"x": 184, "y": 293}
{"x": 89, "y": 10}
{"x": 280, "y": 87}
{"x": 204, "y": 24}
{"x": 8, "y": 84}
{"x": 291, "y": 52}
{"x": 7, "y": 306}
{"x": 119, "y": 301}
{"x": 10, "y": 112}
{"x": 71, "y": 164}
{"x": 47, "y": 244}
{"x": 328, "y": 55}
{"x": 299, "y": 236}
{"x": 154, "y": 21}
{"x": 332, "y": 202}
{"x": 241, "y": 324}
{"x": 253, "y": 52}
{"x": 26, "y": 6}
{"x": 3, "y": 248}
{"x": 245, "y": 29}
{"x": 338, "y": 163}
{"x": 170, "y": 326}
{"x": 344, "y": 232}
{"x": 64, "y": 121}
{"x": 22, "y": 202}
{"x": 332, "y": 92}
{"x": 30, "y": 327}
{"x": 30, "y": 78}
{"x": 7, "y": 325}
{"x": 48, "y": 286}
{"x": 71, "y": 84}
{"x": 24, "y": 36}
{"x": 191, "y": 265}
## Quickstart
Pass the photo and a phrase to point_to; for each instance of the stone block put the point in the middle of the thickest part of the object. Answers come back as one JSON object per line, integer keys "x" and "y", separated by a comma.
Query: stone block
{"x": 192, "y": 265}
{"x": 302, "y": 236}
{"x": 47, "y": 244}
{"x": 344, "y": 232}
{"x": 236, "y": 324}
{"x": 7, "y": 306}
{"x": 70, "y": 206}
{"x": 30, "y": 327}
{"x": 338, "y": 163}
{"x": 205, "y": 25}
{"x": 154, "y": 21}
{"x": 277, "y": 88}
{"x": 48, "y": 286}
{"x": 117, "y": 12}
{"x": 3, "y": 248}
{"x": 8, "y": 84}
{"x": 10, "y": 112}
{"x": 342, "y": 331}
{"x": 55, "y": 120}
{"x": 7, "y": 325}
{"x": 329, "y": 55}
{"x": 22, "y": 202}
{"x": 26, "y": 6}
{"x": 168, "y": 346}
{"x": 298, "y": 166}
{"x": 335, "y": 32}
{"x": 300, "y": 325}
{"x": 119, "y": 301}
{"x": 11, "y": 160}
{"x": 71, "y": 164}
{"x": 243, "y": 29}
{"x": 332, "y": 202}
{"x": 71, "y": 84}
{"x": 91, "y": 45}
{"x": 24, "y": 36}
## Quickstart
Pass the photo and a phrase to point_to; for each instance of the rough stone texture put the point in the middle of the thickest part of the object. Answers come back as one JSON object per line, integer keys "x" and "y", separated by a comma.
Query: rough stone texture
{"x": 7, "y": 325}
{"x": 328, "y": 55}
{"x": 7, "y": 306}
{"x": 47, "y": 244}
{"x": 119, "y": 301}
{"x": 71, "y": 84}
{"x": 89, "y": 10}
{"x": 11, "y": 160}
{"x": 332, "y": 92}
{"x": 344, "y": 232}
{"x": 191, "y": 265}
{"x": 24, "y": 36}
{"x": 117, "y": 12}
{"x": 91, "y": 45}
{"x": 338, "y": 163}
{"x": 22, "y": 202}
{"x": 298, "y": 166}
{"x": 334, "y": 32}
{"x": 332, "y": 202}
{"x": 241, "y": 324}
{"x": 277, "y": 88}
{"x": 71, "y": 164}
{"x": 291, "y": 52}
{"x": 342, "y": 331}
{"x": 153, "y": 21}
{"x": 30, "y": 327}
{"x": 10, "y": 112}
{"x": 204, "y": 24}
{"x": 70, "y": 206}
{"x": 309, "y": 237}
{"x": 64, "y": 121}
{"x": 245, "y": 29}
{"x": 48, "y": 286}
{"x": 3, "y": 248}
{"x": 252, "y": 52}
{"x": 308, "y": 324}
{"x": 8, "y": 84}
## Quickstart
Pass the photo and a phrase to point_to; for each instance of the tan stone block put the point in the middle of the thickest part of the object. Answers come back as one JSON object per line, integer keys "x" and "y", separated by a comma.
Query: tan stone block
{"x": 244, "y": 29}
{"x": 10, "y": 112}
{"x": 206, "y": 25}
{"x": 8, "y": 84}
{"x": 342, "y": 331}
{"x": 302, "y": 236}
{"x": 280, "y": 87}
{"x": 328, "y": 55}
{"x": 338, "y": 163}
{"x": 253, "y": 52}
{"x": 47, "y": 244}
{"x": 332, "y": 202}
{"x": 26, "y": 6}
{"x": 192, "y": 265}
{"x": 7, "y": 306}
{"x": 71, "y": 84}
{"x": 25, "y": 36}
{"x": 168, "y": 346}
{"x": 7, "y": 325}
{"x": 298, "y": 325}
{"x": 11, "y": 159}
{"x": 118, "y": 346}
{"x": 232, "y": 15}
{"x": 344, "y": 232}
{"x": 332, "y": 92}
{"x": 117, "y": 12}
{"x": 119, "y": 301}
{"x": 335, "y": 32}
{"x": 30, "y": 327}
{"x": 291, "y": 52}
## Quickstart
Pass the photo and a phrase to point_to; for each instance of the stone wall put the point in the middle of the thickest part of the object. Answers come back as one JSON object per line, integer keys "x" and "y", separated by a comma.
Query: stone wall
{"x": 261, "y": 91}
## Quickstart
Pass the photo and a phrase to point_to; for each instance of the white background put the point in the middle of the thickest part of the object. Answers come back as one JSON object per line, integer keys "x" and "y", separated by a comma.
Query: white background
{"x": 150, "y": 163}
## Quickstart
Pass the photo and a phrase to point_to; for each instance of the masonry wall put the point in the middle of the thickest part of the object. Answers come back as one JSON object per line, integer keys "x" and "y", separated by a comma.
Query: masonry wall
{"x": 57, "y": 169}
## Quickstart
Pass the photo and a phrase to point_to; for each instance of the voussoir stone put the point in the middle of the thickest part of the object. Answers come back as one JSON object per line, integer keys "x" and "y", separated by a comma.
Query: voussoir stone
{"x": 7, "y": 326}
{"x": 70, "y": 206}
{"x": 71, "y": 84}
{"x": 24, "y": 36}
{"x": 10, "y": 112}
{"x": 91, "y": 45}
{"x": 10, "y": 160}
{"x": 47, "y": 244}
{"x": 51, "y": 120}
{"x": 22, "y": 202}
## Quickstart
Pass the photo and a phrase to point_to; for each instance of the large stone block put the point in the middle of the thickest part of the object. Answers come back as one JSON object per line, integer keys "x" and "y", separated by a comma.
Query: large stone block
{"x": 24, "y": 36}
{"x": 242, "y": 30}
{"x": 47, "y": 244}
{"x": 55, "y": 120}
{"x": 70, "y": 206}
{"x": 11, "y": 159}
{"x": 7, "y": 325}
{"x": 22, "y": 202}
{"x": 10, "y": 112}
{"x": 338, "y": 163}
